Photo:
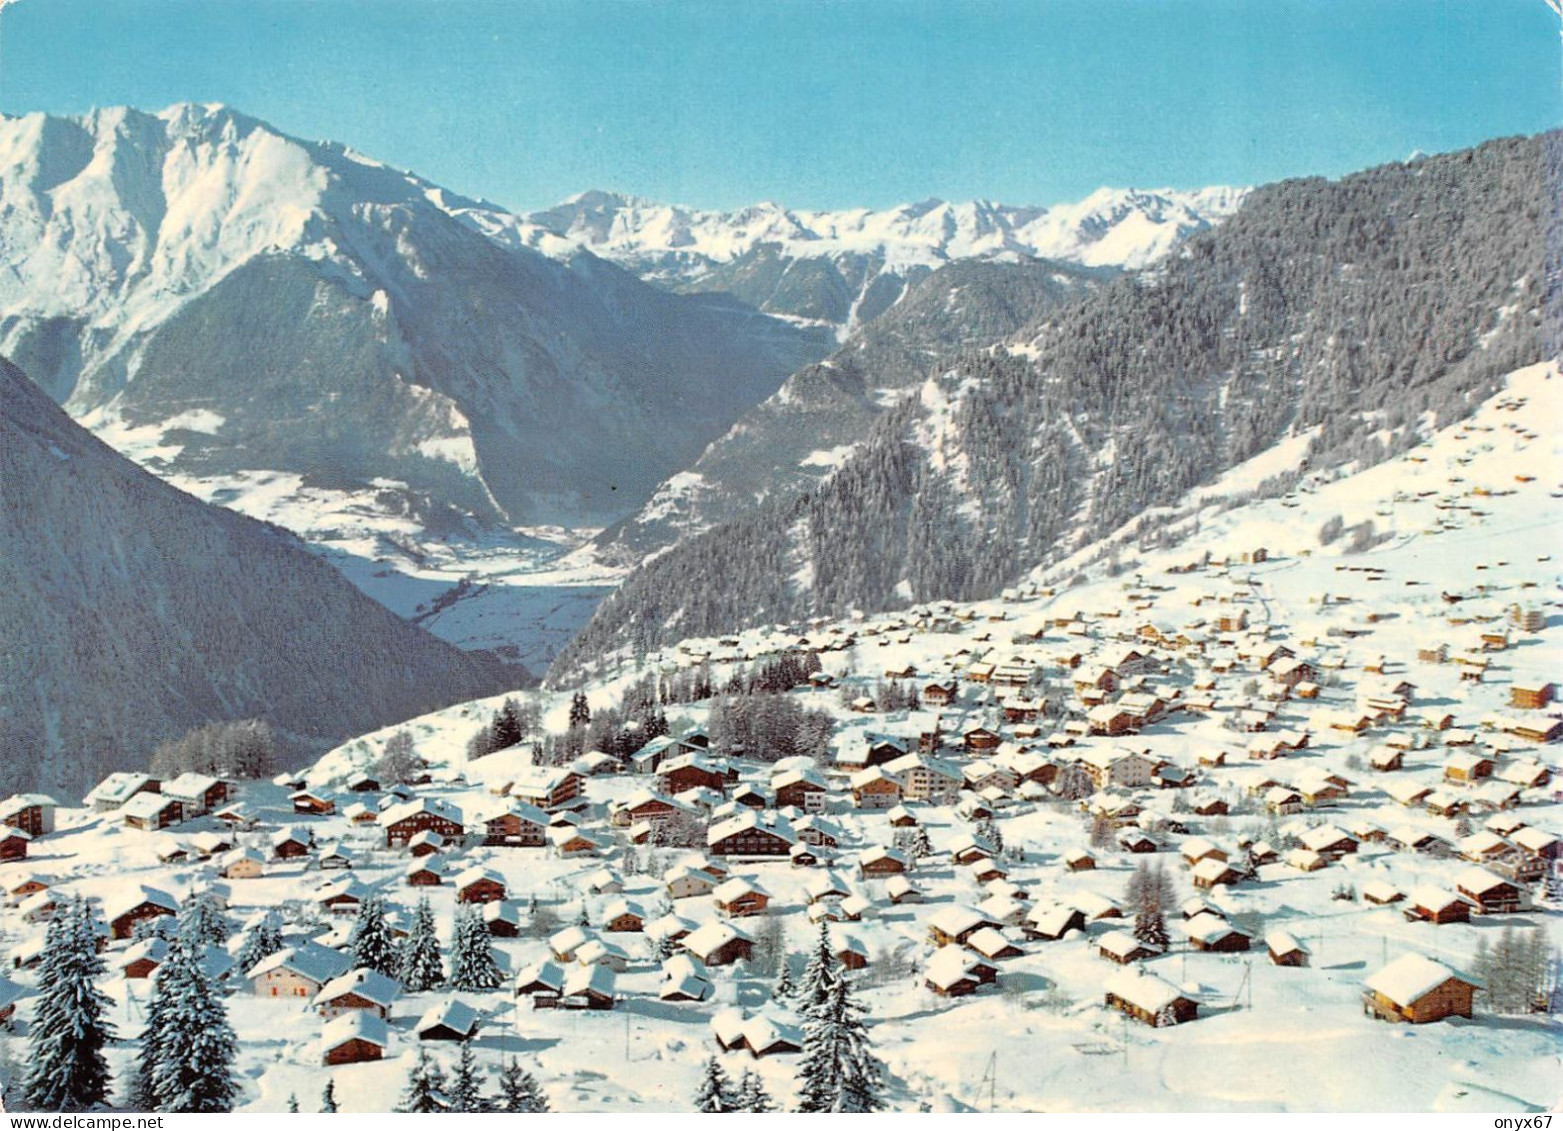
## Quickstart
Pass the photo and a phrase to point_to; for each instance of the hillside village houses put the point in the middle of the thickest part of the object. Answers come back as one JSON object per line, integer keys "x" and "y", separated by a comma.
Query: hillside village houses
{"x": 977, "y": 842}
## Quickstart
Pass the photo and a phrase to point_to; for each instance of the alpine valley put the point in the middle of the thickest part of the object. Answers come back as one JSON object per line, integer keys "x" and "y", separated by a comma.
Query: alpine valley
{"x": 447, "y": 400}
{"x": 1075, "y": 659}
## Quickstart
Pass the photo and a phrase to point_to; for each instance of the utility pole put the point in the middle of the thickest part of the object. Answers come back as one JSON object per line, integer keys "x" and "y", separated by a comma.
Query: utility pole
{"x": 990, "y": 1080}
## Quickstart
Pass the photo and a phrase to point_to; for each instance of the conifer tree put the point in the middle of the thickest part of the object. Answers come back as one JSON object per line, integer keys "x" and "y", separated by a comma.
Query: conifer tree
{"x": 752, "y": 1096}
{"x": 425, "y": 1083}
{"x": 292, "y": 1104}
{"x": 519, "y": 1090}
{"x": 371, "y": 942}
{"x": 472, "y": 962}
{"x": 68, "y": 1071}
{"x": 580, "y": 711}
{"x": 328, "y": 1104}
{"x": 715, "y": 1093}
{"x": 422, "y": 967}
{"x": 1150, "y": 894}
{"x": 785, "y": 987}
{"x": 837, "y": 1072}
{"x": 260, "y": 941}
{"x": 507, "y": 726}
{"x": 466, "y": 1086}
{"x": 194, "y": 1050}
{"x": 818, "y": 976}
{"x": 143, "y": 1088}
{"x": 207, "y": 923}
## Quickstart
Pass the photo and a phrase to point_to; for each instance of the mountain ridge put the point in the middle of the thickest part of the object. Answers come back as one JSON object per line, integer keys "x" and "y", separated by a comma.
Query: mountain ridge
{"x": 413, "y": 334}
{"x": 846, "y": 267}
{"x": 131, "y": 612}
{"x": 1350, "y": 311}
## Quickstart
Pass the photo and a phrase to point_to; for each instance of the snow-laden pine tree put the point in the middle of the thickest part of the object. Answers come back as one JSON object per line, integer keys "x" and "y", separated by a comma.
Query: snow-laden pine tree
{"x": 466, "y": 1086}
{"x": 206, "y": 920}
{"x": 260, "y": 941}
{"x": 752, "y": 1096}
{"x": 143, "y": 1086}
{"x": 196, "y": 1047}
{"x": 292, "y": 1104}
{"x": 784, "y": 989}
{"x": 472, "y": 962}
{"x": 1150, "y": 894}
{"x": 425, "y": 1088}
{"x": 819, "y": 975}
{"x": 371, "y": 943}
{"x": 716, "y": 1092}
{"x": 837, "y": 1071}
{"x": 519, "y": 1090}
{"x": 67, "y": 1070}
{"x": 422, "y": 965}
{"x": 328, "y": 1105}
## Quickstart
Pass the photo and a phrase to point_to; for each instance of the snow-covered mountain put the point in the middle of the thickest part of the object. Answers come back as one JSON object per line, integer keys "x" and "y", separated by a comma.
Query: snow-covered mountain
{"x": 130, "y": 612}
{"x": 1335, "y": 318}
{"x": 797, "y": 437}
{"x": 295, "y": 306}
{"x": 847, "y": 267}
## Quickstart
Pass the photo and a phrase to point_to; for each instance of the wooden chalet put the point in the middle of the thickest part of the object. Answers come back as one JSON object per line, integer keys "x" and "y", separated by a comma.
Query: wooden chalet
{"x": 1489, "y": 894}
{"x": 1149, "y": 999}
{"x": 1416, "y": 989}
{"x": 356, "y": 1037}
{"x": 424, "y": 814}
{"x": 138, "y": 905}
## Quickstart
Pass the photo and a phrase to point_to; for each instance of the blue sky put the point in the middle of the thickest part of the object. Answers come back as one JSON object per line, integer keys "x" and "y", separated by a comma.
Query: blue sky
{"x": 817, "y": 103}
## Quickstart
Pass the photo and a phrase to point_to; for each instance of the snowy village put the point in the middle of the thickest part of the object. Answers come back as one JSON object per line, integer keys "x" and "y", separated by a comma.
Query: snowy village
{"x": 783, "y": 557}
{"x": 1264, "y": 820}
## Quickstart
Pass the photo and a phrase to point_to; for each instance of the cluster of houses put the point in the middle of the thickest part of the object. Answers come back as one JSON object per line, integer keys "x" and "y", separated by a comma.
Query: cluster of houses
{"x": 1154, "y": 735}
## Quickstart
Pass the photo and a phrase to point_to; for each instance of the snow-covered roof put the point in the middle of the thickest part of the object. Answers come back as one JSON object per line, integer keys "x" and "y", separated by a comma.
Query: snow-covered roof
{"x": 1121, "y": 944}
{"x": 594, "y": 978}
{"x": 355, "y": 1024}
{"x": 145, "y": 806}
{"x": 1284, "y": 942}
{"x": 435, "y": 806}
{"x": 1410, "y": 977}
{"x": 188, "y": 785}
{"x": 307, "y": 959}
{"x": 1144, "y": 990}
{"x": 706, "y": 940}
{"x": 1433, "y": 898}
{"x": 1207, "y": 928}
{"x": 546, "y": 972}
{"x": 452, "y": 1014}
{"x": 134, "y": 897}
{"x": 1478, "y": 880}
{"x": 950, "y": 965}
{"x": 117, "y": 788}
{"x": 371, "y": 985}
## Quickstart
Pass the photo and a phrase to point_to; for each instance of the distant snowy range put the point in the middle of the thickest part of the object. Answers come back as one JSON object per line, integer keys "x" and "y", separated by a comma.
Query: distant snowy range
{"x": 450, "y": 402}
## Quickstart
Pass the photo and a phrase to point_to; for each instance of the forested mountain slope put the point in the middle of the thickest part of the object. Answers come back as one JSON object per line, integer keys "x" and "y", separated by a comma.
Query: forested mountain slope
{"x": 799, "y": 435}
{"x": 1341, "y": 311}
{"x": 130, "y": 612}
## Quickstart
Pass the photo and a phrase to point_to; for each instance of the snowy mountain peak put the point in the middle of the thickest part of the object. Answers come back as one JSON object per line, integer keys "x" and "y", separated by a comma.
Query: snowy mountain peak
{"x": 141, "y": 249}
{"x": 1118, "y": 227}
